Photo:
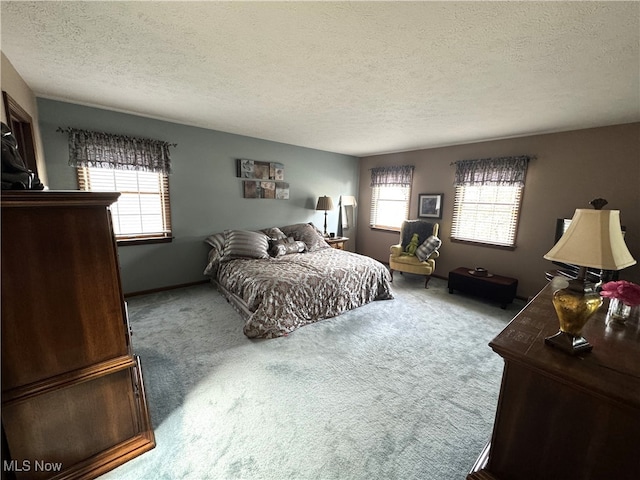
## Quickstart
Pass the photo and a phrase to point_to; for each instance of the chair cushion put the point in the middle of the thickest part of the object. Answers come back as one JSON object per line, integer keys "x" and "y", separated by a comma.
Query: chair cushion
{"x": 407, "y": 260}
{"x": 411, "y": 264}
{"x": 429, "y": 246}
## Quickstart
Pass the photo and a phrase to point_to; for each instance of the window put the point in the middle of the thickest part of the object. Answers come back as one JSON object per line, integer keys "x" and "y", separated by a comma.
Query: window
{"x": 390, "y": 192}
{"x": 487, "y": 202}
{"x": 486, "y": 214}
{"x": 138, "y": 168}
{"x": 389, "y": 207}
{"x": 142, "y": 210}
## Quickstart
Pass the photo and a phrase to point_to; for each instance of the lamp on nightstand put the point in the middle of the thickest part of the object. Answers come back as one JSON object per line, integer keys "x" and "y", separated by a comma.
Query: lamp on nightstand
{"x": 594, "y": 239}
{"x": 325, "y": 203}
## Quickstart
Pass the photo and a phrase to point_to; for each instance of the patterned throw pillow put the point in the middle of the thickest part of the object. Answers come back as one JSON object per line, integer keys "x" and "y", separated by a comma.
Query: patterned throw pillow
{"x": 286, "y": 246}
{"x": 307, "y": 233}
{"x": 274, "y": 233}
{"x": 245, "y": 244}
{"x": 429, "y": 246}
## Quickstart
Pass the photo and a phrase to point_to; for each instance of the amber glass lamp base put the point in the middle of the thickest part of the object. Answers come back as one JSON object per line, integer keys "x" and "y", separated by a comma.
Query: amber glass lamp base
{"x": 574, "y": 305}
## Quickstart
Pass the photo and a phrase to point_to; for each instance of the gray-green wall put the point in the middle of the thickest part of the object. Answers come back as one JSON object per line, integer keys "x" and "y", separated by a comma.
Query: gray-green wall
{"x": 206, "y": 195}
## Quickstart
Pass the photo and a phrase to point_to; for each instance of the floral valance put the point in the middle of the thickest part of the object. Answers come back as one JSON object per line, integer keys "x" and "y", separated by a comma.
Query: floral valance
{"x": 120, "y": 152}
{"x": 396, "y": 176}
{"x": 492, "y": 171}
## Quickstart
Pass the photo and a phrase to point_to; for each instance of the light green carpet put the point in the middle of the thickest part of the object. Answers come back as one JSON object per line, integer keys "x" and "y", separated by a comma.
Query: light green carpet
{"x": 398, "y": 389}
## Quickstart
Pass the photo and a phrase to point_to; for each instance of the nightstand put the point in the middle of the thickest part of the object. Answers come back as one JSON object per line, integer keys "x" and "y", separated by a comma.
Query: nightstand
{"x": 337, "y": 242}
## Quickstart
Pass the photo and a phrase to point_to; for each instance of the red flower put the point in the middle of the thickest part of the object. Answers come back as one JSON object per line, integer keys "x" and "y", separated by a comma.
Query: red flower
{"x": 627, "y": 292}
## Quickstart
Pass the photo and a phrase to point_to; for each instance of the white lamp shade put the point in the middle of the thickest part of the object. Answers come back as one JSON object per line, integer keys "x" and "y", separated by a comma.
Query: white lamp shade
{"x": 594, "y": 239}
{"x": 348, "y": 200}
{"x": 324, "y": 203}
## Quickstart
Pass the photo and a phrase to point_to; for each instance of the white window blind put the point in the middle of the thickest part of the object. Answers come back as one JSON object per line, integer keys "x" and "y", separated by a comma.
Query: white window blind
{"x": 143, "y": 208}
{"x": 390, "y": 191}
{"x": 389, "y": 206}
{"x": 486, "y": 213}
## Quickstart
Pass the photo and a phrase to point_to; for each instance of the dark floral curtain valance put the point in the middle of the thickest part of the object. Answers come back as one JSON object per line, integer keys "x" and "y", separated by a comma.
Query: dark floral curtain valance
{"x": 396, "y": 176}
{"x": 120, "y": 152}
{"x": 492, "y": 171}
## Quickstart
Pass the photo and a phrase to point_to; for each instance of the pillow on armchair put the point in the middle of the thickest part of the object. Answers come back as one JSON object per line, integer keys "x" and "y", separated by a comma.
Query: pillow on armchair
{"x": 429, "y": 246}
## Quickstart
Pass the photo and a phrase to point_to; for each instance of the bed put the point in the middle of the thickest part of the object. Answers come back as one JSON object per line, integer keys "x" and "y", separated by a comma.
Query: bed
{"x": 281, "y": 279}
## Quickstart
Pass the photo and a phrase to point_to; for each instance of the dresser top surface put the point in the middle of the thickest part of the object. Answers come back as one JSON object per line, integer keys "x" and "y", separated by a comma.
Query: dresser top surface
{"x": 50, "y": 198}
{"x": 612, "y": 367}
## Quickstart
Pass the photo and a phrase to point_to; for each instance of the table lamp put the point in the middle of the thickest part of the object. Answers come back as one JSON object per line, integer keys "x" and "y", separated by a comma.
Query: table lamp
{"x": 594, "y": 239}
{"x": 325, "y": 203}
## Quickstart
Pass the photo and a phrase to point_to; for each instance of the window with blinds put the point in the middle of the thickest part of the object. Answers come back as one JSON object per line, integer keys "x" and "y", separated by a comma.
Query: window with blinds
{"x": 389, "y": 206}
{"x": 142, "y": 210}
{"x": 486, "y": 214}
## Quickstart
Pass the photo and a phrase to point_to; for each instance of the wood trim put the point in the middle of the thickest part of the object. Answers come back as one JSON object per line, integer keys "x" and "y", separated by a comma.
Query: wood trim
{"x": 57, "y": 198}
{"x": 482, "y": 475}
{"x": 482, "y": 460}
{"x": 127, "y": 242}
{"x": 482, "y": 244}
{"x": 108, "y": 459}
{"x": 26, "y": 392}
{"x": 13, "y": 109}
{"x": 15, "y": 114}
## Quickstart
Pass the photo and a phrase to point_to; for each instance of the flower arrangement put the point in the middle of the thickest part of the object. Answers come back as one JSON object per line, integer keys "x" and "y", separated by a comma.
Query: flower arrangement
{"x": 627, "y": 292}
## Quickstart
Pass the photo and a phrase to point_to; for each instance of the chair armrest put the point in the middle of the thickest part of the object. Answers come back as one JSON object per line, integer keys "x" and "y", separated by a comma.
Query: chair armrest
{"x": 396, "y": 249}
{"x": 434, "y": 254}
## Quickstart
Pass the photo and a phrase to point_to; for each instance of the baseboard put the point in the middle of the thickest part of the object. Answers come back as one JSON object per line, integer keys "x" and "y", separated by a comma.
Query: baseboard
{"x": 162, "y": 289}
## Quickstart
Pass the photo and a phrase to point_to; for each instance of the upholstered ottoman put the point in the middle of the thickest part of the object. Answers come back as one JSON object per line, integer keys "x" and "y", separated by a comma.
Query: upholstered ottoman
{"x": 491, "y": 287}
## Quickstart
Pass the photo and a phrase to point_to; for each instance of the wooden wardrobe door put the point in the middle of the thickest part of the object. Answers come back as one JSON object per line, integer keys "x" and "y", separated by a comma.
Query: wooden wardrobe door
{"x": 72, "y": 392}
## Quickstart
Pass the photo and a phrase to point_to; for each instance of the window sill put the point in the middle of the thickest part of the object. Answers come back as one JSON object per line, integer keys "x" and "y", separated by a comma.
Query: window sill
{"x": 385, "y": 229}
{"x": 482, "y": 244}
{"x": 125, "y": 242}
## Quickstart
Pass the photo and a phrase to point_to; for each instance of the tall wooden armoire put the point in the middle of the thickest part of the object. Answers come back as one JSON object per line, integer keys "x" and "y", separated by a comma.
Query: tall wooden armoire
{"x": 73, "y": 401}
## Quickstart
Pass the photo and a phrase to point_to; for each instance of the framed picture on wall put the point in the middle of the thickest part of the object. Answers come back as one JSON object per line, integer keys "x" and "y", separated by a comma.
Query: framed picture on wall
{"x": 430, "y": 205}
{"x": 259, "y": 170}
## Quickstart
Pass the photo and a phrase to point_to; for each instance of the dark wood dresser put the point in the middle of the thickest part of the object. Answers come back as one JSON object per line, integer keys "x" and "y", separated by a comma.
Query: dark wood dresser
{"x": 565, "y": 417}
{"x": 73, "y": 401}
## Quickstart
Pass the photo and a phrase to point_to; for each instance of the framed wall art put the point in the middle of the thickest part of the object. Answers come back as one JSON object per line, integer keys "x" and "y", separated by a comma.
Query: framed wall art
{"x": 264, "y": 179}
{"x": 430, "y": 205}
{"x": 259, "y": 170}
{"x": 265, "y": 189}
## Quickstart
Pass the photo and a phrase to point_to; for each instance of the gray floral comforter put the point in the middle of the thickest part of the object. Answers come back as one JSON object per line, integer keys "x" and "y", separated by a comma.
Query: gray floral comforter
{"x": 290, "y": 291}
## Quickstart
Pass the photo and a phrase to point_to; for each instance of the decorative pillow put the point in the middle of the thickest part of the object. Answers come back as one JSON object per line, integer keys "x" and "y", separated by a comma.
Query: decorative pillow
{"x": 245, "y": 244}
{"x": 286, "y": 246}
{"x": 216, "y": 241}
{"x": 214, "y": 260}
{"x": 307, "y": 233}
{"x": 429, "y": 246}
{"x": 274, "y": 233}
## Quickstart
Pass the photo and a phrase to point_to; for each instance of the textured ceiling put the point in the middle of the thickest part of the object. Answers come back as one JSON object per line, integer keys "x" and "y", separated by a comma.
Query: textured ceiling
{"x": 352, "y": 77}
